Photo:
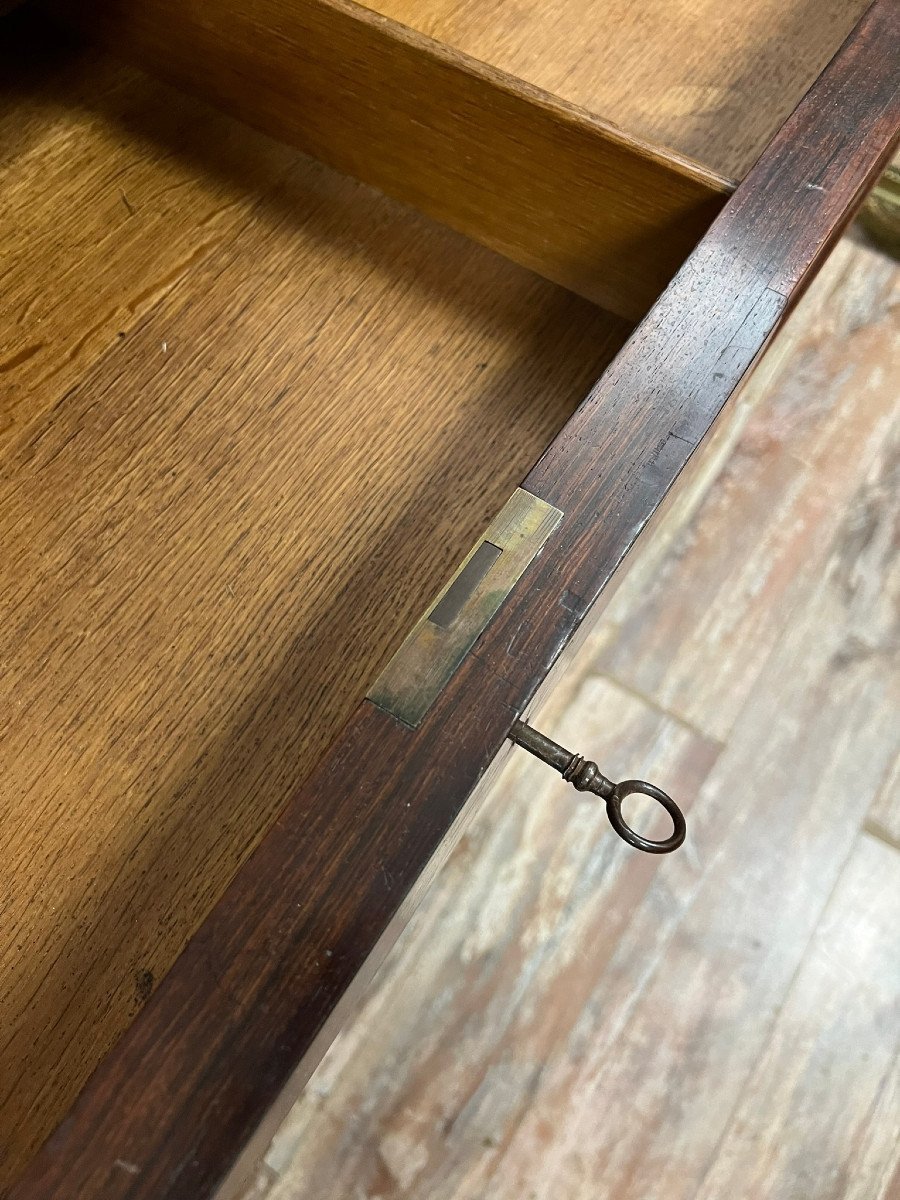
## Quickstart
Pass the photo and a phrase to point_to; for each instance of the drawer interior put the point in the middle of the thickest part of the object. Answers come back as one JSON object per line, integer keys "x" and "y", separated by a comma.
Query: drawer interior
{"x": 254, "y": 411}
{"x": 254, "y": 415}
{"x": 592, "y": 141}
{"x": 708, "y": 79}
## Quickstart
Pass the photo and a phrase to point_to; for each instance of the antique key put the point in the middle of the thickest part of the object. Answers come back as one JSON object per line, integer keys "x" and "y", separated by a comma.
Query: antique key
{"x": 587, "y": 777}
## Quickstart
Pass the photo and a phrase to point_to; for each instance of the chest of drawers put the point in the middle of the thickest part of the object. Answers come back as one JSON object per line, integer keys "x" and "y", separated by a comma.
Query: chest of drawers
{"x": 297, "y": 296}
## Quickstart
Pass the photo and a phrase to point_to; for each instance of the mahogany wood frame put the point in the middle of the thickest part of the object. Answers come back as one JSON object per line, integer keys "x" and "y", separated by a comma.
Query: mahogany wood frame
{"x": 245, "y": 1007}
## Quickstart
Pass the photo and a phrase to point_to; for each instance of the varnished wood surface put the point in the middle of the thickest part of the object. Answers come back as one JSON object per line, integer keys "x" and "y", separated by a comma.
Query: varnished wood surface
{"x": 712, "y": 80}
{"x": 244, "y": 1004}
{"x": 566, "y": 1020}
{"x": 254, "y": 415}
{"x": 545, "y": 183}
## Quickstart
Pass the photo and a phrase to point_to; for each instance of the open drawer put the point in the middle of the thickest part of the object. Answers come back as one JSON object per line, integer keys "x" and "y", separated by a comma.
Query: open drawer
{"x": 257, "y": 412}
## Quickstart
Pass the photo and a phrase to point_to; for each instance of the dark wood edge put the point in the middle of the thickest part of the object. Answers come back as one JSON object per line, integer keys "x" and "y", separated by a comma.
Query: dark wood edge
{"x": 168, "y": 1111}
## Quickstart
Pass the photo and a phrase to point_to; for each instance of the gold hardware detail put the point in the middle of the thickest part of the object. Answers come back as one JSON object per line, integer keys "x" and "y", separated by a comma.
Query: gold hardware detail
{"x": 440, "y": 640}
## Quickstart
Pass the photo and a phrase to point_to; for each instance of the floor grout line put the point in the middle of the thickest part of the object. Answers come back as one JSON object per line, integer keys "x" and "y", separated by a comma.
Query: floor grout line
{"x": 656, "y": 706}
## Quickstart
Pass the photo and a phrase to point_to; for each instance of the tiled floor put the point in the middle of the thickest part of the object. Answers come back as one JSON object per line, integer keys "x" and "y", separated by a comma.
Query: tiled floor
{"x": 567, "y": 1019}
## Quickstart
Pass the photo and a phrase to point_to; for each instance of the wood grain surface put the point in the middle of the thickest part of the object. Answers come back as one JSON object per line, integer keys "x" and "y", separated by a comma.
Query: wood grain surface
{"x": 240, "y": 1013}
{"x": 839, "y": 1143}
{"x": 254, "y": 415}
{"x": 114, "y": 191}
{"x": 545, "y": 183}
{"x": 565, "y": 1020}
{"x": 712, "y": 80}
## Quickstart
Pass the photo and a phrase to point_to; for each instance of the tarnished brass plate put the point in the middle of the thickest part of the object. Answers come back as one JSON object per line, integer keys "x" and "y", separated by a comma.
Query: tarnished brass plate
{"x": 440, "y": 640}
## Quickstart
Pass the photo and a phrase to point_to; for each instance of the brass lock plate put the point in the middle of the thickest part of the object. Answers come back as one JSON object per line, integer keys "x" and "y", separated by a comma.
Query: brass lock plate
{"x": 440, "y": 640}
